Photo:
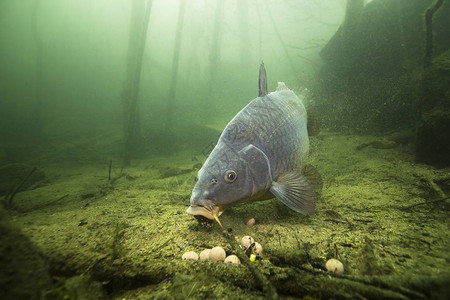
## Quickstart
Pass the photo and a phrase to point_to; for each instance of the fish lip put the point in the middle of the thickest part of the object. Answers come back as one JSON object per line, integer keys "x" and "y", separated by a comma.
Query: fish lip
{"x": 200, "y": 210}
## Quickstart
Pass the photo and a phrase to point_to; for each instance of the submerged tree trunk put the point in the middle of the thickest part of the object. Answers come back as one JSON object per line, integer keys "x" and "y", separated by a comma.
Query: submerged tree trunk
{"x": 280, "y": 39}
{"x": 175, "y": 63}
{"x": 242, "y": 9}
{"x": 351, "y": 26}
{"x": 140, "y": 14}
{"x": 259, "y": 33}
{"x": 429, "y": 31}
{"x": 37, "y": 105}
{"x": 214, "y": 55}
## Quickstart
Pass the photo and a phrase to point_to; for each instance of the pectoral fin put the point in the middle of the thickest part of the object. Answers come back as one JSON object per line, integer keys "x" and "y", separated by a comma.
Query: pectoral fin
{"x": 295, "y": 191}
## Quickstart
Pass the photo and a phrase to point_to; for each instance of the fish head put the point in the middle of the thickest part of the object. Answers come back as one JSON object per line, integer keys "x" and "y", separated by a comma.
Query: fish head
{"x": 227, "y": 178}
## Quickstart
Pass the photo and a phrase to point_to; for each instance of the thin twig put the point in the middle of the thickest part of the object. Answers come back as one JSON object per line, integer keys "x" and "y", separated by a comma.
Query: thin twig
{"x": 46, "y": 204}
{"x": 192, "y": 289}
{"x": 435, "y": 187}
{"x": 109, "y": 170}
{"x": 263, "y": 282}
{"x": 425, "y": 202}
{"x": 115, "y": 178}
{"x": 10, "y": 197}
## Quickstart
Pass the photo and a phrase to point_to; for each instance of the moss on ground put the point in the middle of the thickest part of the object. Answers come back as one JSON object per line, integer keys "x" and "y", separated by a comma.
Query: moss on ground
{"x": 131, "y": 235}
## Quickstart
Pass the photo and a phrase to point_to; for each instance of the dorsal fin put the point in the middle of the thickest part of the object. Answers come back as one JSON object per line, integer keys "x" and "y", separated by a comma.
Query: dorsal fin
{"x": 262, "y": 81}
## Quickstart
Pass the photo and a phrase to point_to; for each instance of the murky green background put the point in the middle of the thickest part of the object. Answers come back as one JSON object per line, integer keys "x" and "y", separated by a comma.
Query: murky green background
{"x": 106, "y": 117}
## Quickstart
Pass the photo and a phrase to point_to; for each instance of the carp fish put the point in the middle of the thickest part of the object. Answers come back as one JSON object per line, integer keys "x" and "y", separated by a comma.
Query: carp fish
{"x": 258, "y": 156}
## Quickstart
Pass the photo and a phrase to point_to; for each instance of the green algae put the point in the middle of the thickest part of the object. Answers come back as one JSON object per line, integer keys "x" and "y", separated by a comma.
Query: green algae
{"x": 386, "y": 251}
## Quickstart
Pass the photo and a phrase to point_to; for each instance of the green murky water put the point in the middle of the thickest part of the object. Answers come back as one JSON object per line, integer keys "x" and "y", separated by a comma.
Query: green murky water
{"x": 108, "y": 109}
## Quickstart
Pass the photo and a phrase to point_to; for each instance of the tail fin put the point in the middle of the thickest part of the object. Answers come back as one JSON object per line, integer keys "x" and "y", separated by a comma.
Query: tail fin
{"x": 262, "y": 81}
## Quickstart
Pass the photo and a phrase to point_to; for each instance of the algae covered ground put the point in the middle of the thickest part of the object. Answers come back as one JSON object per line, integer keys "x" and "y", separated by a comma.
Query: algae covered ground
{"x": 124, "y": 237}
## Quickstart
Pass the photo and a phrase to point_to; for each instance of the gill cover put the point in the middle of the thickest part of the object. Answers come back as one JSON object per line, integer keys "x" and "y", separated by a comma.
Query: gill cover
{"x": 258, "y": 169}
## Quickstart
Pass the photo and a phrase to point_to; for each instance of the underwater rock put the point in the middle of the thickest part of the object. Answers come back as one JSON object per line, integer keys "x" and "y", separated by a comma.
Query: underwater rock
{"x": 335, "y": 266}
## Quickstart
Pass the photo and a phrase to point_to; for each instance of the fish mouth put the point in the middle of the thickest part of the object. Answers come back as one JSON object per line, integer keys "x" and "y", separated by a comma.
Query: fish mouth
{"x": 209, "y": 211}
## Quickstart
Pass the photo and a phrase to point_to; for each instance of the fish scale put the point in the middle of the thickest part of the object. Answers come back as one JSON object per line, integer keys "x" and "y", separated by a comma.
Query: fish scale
{"x": 275, "y": 126}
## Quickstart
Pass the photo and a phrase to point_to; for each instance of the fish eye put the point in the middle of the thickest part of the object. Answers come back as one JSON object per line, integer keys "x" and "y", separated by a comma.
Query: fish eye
{"x": 196, "y": 179}
{"x": 230, "y": 176}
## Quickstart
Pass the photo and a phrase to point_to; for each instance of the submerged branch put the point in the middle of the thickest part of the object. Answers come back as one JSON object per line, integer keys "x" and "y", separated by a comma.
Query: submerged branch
{"x": 426, "y": 202}
{"x": 10, "y": 197}
{"x": 262, "y": 281}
